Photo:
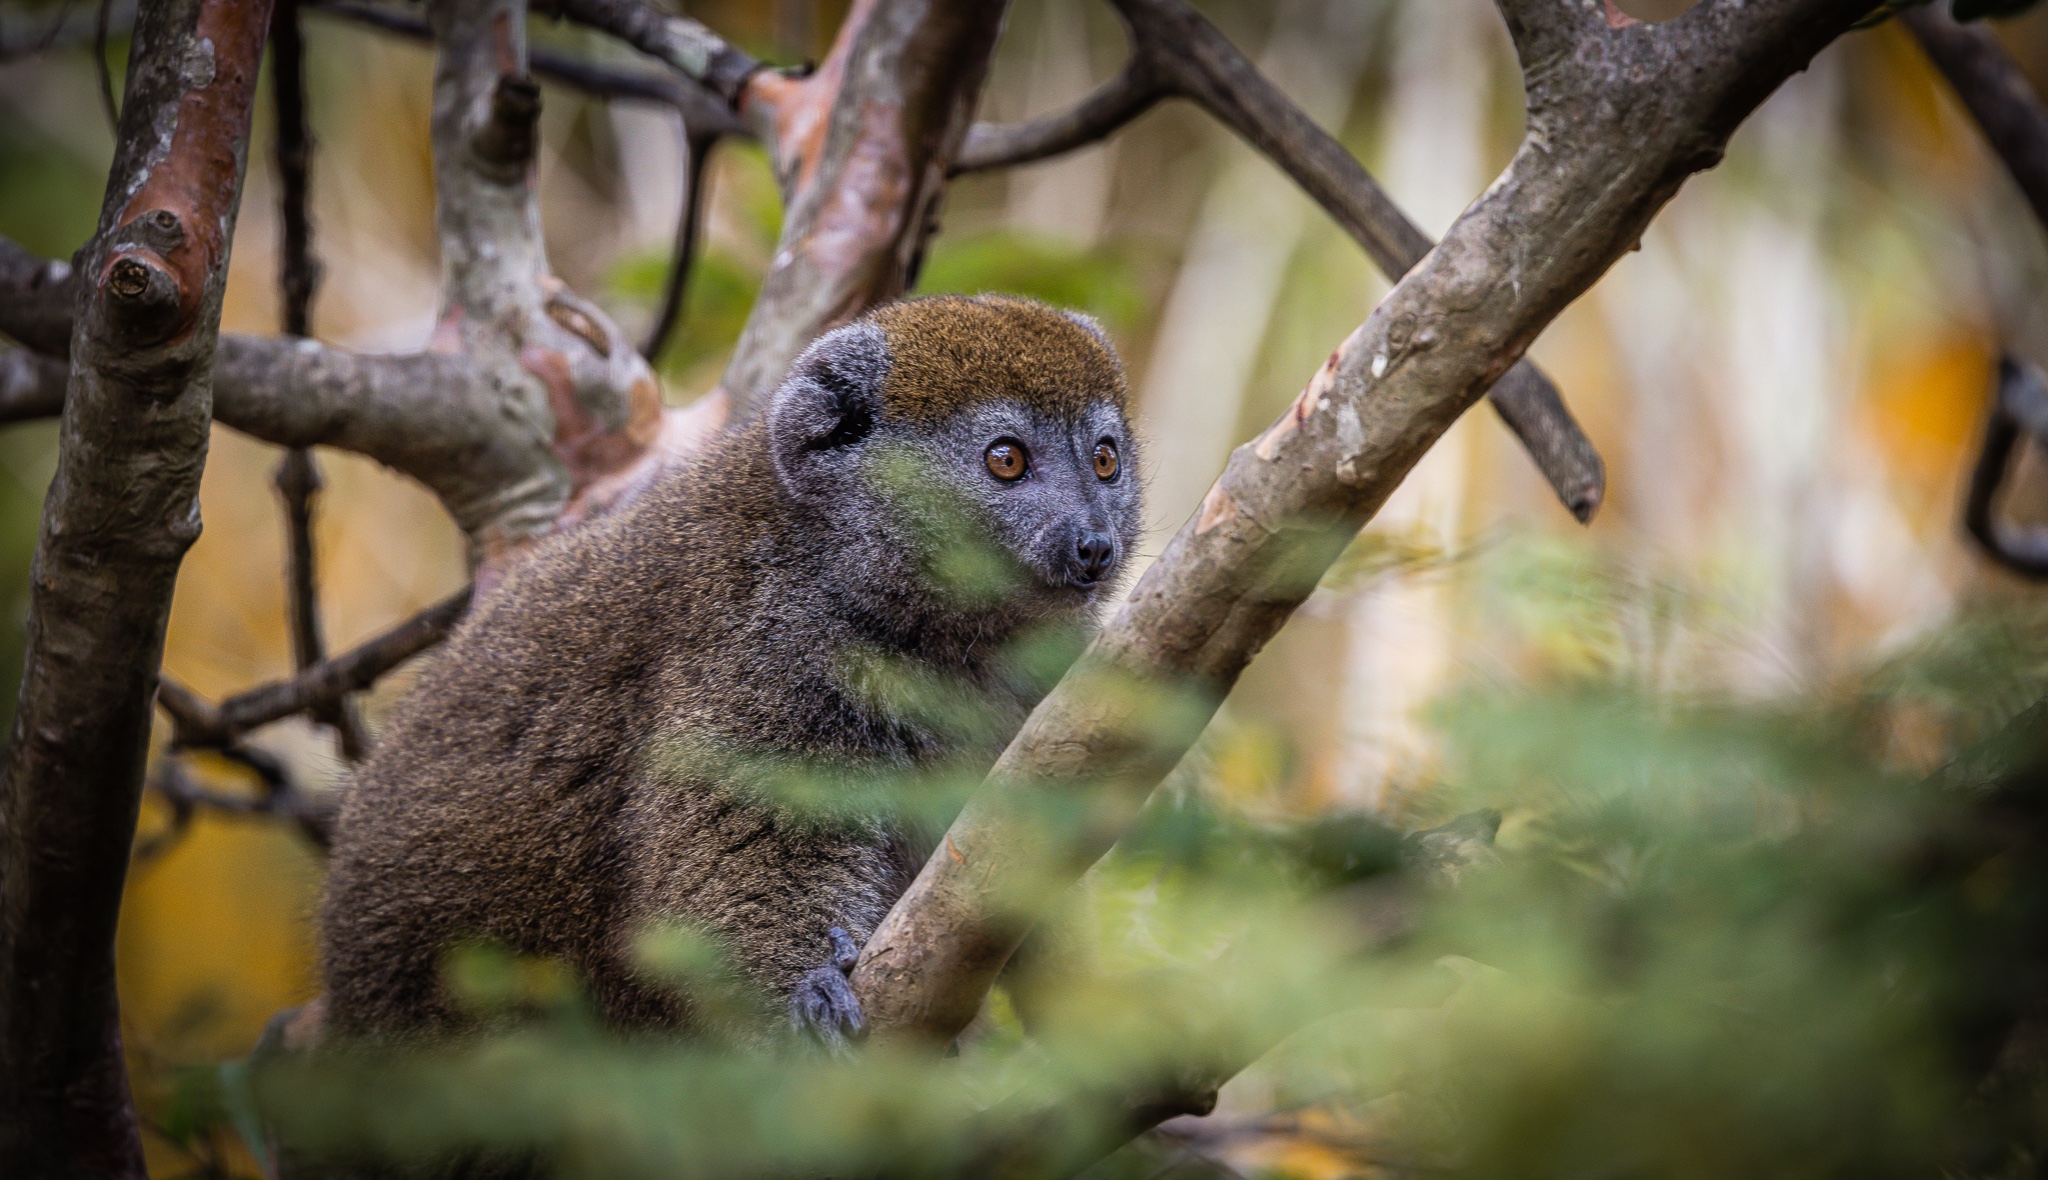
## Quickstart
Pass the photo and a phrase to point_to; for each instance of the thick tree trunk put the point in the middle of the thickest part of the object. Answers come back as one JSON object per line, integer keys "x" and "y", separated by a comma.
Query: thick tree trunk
{"x": 120, "y": 514}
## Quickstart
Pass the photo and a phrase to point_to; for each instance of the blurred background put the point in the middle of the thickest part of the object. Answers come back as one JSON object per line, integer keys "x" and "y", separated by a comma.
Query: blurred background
{"x": 1786, "y": 380}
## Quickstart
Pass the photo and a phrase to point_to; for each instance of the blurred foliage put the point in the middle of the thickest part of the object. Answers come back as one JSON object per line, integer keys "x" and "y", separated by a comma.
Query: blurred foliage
{"x": 1723, "y": 937}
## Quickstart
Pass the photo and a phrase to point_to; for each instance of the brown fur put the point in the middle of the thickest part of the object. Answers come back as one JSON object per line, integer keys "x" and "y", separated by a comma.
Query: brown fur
{"x": 1010, "y": 345}
{"x": 536, "y": 788}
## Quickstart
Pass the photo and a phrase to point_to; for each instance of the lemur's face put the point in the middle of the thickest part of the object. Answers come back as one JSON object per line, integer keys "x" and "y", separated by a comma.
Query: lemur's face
{"x": 984, "y": 438}
{"x": 1057, "y": 494}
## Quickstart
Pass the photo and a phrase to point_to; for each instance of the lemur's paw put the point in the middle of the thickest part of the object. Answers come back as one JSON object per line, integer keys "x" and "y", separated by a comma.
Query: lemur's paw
{"x": 823, "y": 1007}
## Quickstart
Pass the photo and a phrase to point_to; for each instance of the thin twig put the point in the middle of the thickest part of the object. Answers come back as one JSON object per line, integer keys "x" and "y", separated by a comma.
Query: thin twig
{"x": 281, "y": 797}
{"x": 1989, "y": 83}
{"x": 298, "y": 479}
{"x": 201, "y": 725}
{"x": 2019, "y": 410}
{"x": 697, "y": 153}
{"x": 1133, "y": 91}
{"x": 99, "y": 62}
{"x": 702, "y": 110}
{"x": 59, "y": 32}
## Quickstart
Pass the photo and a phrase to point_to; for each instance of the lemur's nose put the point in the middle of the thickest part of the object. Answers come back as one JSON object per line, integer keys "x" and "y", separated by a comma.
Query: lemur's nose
{"x": 1094, "y": 554}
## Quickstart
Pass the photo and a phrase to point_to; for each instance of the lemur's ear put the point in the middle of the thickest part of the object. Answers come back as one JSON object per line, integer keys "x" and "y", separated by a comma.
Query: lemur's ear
{"x": 827, "y": 405}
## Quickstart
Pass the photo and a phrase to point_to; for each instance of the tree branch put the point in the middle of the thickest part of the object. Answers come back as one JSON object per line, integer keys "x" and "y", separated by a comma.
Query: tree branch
{"x": 1135, "y": 89}
{"x": 701, "y": 109}
{"x": 696, "y": 153}
{"x": 281, "y": 797}
{"x": 37, "y": 297}
{"x": 1176, "y": 52}
{"x": 31, "y": 385}
{"x": 120, "y": 514}
{"x": 298, "y": 479}
{"x": 862, "y": 192}
{"x": 693, "y": 50}
{"x": 2019, "y": 410}
{"x": 1617, "y": 119}
{"x": 1990, "y": 84}
{"x": 201, "y": 725}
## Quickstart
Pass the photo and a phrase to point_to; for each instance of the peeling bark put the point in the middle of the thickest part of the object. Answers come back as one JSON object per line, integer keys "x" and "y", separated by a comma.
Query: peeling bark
{"x": 900, "y": 85}
{"x": 1618, "y": 118}
{"x": 122, "y": 510}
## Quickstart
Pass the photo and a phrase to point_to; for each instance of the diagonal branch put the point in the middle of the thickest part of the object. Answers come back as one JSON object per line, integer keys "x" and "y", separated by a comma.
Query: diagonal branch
{"x": 689, "y": 47}
{"x": 863, "y": 147}
{"x": 1618, "y": 118}
{"x": 701, "y": 109}
{"x": 1988, "y": 81}
{"x": 121, "y": 512}
{"x": 202, "y": 725}
{"x": 1135, "y": 89}
{"x": 1177, "y": 52}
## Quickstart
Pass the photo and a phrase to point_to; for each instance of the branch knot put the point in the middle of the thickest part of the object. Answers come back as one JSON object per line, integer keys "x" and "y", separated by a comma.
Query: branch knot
{"x": 505, "y": 145}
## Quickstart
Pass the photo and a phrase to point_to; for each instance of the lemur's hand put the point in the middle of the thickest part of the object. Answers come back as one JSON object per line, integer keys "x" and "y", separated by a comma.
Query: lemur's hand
{"x": 823, "y": 1006}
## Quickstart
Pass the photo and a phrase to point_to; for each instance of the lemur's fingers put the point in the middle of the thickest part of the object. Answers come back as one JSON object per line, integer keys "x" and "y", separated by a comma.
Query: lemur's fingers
{"x": 845, "y": 953}
{"x": 824, "y": 1009}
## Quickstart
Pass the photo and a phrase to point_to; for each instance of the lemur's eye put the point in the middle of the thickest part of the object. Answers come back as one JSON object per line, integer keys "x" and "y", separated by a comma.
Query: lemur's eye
{"x": 1105, "y": 460}
{"x": 1005, "y": 459}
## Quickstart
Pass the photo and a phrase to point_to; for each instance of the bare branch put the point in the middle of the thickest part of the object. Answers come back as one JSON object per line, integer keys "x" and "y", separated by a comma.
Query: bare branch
{"x": 31, "y": 385}
{"x": 697, "y": 153}
{"x": 37, "y": 297}
{"x": 1617, "y": 119}
{"x": 281, "y": 798}
{"x": 1988, "y": 81}
{"x": 1176, "y": 52}
{"x": 901, "y": 82}
{"x": 201, "y": 725}
{"x": 1134, "y": 90}
{"x": 2019, "y": 410}
{"x": 298, "y": 474}
{"x": 689, "y": 47}
{"x": 701, "y": 109}
{"x": 71, "y": 28}
{"x": 122, "y": 510}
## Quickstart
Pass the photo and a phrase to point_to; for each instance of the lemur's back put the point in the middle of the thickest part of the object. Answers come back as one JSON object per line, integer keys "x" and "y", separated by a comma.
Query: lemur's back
{"x": 496, "y": 804}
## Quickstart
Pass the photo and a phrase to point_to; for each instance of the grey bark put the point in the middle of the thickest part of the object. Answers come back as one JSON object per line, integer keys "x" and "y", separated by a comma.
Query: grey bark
{"x": 121, "y": 512}
{"x": 862, "y": 207}
{"x": 1618, "y": 118}
{"x": 31, "y": 385}
{"x": 1989, "y": 83}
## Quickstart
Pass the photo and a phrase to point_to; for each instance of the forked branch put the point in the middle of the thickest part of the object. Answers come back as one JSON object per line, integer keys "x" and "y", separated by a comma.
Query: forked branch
{"x": 1176, "y": 52}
